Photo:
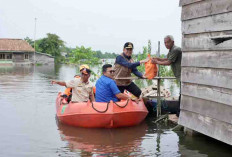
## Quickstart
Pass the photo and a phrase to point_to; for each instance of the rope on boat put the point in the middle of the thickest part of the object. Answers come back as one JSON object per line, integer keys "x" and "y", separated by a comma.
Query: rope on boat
{"x": 107, "y": 106}
{"x": 123, "y": 105}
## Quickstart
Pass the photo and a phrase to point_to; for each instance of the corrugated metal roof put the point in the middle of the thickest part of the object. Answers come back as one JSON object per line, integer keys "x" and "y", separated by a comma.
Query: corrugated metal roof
{"x": 15, "y": 45}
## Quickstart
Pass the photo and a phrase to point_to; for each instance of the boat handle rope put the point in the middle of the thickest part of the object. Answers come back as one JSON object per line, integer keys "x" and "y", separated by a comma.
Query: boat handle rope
{"x": 123, "y": 105}
{"x": 107, "y": 106}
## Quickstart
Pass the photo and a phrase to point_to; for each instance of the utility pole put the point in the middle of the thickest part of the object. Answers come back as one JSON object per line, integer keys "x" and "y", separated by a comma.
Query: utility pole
{"x": 34, "y": 40}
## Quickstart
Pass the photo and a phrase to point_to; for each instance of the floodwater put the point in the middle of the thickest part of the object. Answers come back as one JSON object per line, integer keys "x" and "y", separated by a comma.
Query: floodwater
{"x": 28, "y": 125}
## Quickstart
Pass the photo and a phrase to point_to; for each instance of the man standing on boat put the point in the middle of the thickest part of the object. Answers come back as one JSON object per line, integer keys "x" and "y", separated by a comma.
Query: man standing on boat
{"x": 106, "y": 88}
{"x": 174, "y": 57}
{"x": 82, "y": 89}
{"x": 124, "y": 66}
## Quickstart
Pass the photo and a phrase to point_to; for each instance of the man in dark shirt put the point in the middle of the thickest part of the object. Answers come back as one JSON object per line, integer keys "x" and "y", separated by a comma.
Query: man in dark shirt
{"x": 173, "y": 58}
{"x": 124, "y": 66}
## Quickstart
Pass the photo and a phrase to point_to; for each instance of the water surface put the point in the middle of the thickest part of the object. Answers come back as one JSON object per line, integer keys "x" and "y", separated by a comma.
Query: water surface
{"x": 28, "y": 125}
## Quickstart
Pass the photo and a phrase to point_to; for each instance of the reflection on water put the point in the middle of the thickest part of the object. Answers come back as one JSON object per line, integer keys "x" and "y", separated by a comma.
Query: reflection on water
{"x": 28, "y": 126}
{"x": 116, "y": 142}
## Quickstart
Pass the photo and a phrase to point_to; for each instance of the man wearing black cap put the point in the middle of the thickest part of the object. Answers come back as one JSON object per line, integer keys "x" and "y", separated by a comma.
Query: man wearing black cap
{"x": 124, "y": 66}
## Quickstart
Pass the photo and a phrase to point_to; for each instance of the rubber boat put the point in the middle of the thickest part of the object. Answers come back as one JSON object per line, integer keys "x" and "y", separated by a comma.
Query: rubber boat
{"x": 100, "y": 115}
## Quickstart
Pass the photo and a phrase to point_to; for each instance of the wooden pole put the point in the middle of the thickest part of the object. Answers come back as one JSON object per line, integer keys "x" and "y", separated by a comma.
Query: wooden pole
{"x": 158, "y": 109}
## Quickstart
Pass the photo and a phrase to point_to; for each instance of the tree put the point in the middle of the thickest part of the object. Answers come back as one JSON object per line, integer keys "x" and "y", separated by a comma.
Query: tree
{"x": 51, "y": 45}
{"x": 82, "y": 54}
{"x": 30, "y": 41}
{"x": 149, "y": 47}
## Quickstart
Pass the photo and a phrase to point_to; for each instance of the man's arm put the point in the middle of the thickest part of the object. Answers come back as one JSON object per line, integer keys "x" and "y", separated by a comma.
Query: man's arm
{"x": 122, "y": 61}
{"x": 161, "y": 62}
{"x": 91, "y": 96}
{"x": 137, "y": 73}
{"x": 61, "y": 83}
{"x": 162, "y": 59}
{"x": 122, "y": 96}
{"x": 118, "y": 94}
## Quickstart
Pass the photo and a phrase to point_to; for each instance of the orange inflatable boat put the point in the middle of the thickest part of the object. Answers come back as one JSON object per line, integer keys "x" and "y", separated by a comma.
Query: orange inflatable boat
{"x": 100, "y": 115}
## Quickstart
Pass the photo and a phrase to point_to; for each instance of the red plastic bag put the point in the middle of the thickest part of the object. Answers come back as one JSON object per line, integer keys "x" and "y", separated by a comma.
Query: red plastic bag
{"x": 150, "y": 69}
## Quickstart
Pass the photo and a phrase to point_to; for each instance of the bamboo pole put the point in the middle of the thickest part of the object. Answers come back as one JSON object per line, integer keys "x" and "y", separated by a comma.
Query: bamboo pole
{"x": 158, "y": 109}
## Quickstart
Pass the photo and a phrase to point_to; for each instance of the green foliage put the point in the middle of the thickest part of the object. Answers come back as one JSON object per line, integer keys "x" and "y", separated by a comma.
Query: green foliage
{"x": 141, "y": 56}
{"x": 51, "y": 45}
{"x": 83, "y": 55}
{"x": 66, "y": 49}
{"x": 105, "y": 55}
{"x": 30, "y": 41}
{"x": 149, "y": 47}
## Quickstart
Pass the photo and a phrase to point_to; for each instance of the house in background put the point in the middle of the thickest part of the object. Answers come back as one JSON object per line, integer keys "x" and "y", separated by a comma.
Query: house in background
{"x": 15, "y": 51}
{"x": 19, "y": 52}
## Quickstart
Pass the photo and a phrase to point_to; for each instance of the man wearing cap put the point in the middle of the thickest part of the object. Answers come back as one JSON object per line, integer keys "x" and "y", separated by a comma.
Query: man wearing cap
{"x": 124, "y": 66}
{"x": 82, "y": 89}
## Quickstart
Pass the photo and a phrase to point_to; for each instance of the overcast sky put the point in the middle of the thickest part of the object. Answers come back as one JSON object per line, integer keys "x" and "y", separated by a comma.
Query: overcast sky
{"x": 101, "y": 24}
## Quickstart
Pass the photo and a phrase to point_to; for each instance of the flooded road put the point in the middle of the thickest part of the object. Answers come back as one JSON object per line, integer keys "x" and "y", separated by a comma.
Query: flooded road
{"x": 28, "y": 125}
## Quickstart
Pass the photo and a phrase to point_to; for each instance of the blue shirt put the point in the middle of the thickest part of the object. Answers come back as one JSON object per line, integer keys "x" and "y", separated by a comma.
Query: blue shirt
{"x": 122, "y": 61}
{"x": 106, "y": 89}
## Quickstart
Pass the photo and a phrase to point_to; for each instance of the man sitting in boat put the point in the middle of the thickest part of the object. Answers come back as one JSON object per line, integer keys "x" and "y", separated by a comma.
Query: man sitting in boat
{"x": 106, "y": 88}
{"x": 68, "y": 91}
{"x": 82, "y": 89}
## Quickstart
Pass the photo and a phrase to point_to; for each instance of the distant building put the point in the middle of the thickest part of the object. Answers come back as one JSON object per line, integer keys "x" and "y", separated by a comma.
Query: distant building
{"x": 13, "y": 51}
{"x": 19, "y": 52}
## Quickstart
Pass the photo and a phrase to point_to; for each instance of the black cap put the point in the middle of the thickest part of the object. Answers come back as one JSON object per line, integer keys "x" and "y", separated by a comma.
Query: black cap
{"x": 128, "y": 45}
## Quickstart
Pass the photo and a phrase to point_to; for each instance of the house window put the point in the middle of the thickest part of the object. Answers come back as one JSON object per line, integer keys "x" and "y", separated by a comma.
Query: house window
{"x": 8, "y": 56}
{"x": 2, "y": 56}
{"x": 26, "y": 56}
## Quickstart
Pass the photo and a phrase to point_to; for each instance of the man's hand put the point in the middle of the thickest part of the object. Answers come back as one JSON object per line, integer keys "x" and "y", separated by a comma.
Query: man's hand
{"x": 144, "y": 77}
{"x": 136, "y": 100}
{"x": 144, "y": 61}
{"x": 53, "y": 82}
{"x": 154, "y": 60}
{"x": 61, "y": 83}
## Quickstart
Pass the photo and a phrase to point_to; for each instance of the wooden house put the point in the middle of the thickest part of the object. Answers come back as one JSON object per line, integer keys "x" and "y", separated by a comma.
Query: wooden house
{"x": 13, "y": 51}
{"x": 206, "y": 103}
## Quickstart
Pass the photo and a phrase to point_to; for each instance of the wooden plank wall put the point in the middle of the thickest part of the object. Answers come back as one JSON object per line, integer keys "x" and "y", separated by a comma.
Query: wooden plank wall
{"x": 206, "y": 103}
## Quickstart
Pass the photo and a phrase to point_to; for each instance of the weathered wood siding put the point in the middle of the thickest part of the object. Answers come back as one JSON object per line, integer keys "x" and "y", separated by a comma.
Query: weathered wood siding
{"x": 206, "y": 103}
{"x": 205, "y": 8}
